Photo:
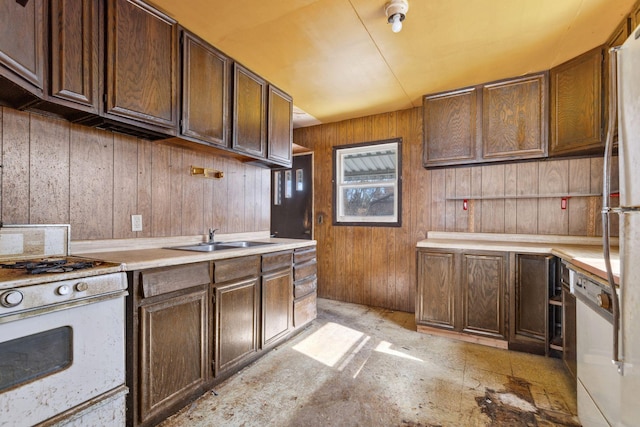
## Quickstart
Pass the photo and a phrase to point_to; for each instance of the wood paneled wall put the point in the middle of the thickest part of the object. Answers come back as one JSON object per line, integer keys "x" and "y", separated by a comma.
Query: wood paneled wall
{"x": 54, "y": 171}
{"x": 376, "y": 265}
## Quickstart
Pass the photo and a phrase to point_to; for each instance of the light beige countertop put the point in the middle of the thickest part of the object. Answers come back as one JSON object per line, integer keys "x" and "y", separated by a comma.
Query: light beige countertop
{"x": 583, "y": 252}
{"x": 139, "y": 257}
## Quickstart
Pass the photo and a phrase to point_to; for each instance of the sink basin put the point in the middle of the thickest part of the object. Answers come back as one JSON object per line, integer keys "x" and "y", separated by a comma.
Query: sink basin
{"x": 219, "y": 246}
{"x": 204, "y": 247}
{"x": 246, "y": 244}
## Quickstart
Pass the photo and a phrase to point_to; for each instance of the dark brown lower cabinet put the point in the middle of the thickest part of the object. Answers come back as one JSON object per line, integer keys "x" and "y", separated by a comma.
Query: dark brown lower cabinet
{"x": 534, "y": 274}
{"x": 305, "y": 286}
{"x": 168, "y": 364}
{"x": 463, "y": 292}
{"x": 437, "y": 289}
{"x": 509, "y": 300}
{"x": 191, "y": 326}
{"x": 174, "y": 358}
{"x": 277, "y": 296}
{"x": 236, "y": 322}
{"x": 236, "y": 304}
{"x": 569, "y": 355}
{"x": 483, "y": 289}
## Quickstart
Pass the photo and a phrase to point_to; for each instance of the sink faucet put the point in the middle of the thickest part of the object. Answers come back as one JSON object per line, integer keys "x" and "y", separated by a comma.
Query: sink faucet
{"x": 212, "y": 234}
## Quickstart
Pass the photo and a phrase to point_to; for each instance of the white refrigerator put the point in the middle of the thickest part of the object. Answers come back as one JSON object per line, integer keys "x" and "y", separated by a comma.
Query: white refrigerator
{"x": 626, "y": 345}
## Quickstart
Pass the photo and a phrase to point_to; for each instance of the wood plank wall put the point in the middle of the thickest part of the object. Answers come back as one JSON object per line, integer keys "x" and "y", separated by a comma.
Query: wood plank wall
{"x": 376, "y": 265}
{"x": 54, "y": 171}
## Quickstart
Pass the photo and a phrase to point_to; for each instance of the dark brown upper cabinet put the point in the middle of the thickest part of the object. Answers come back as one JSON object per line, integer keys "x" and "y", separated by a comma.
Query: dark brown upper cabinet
{"x": 205, "y": 92}
{"x": 618, "y": 37}
{"x": 504, "y": 120}
{"x": 23, "y": 53}
{"x": 635, "y": 16}
{"x": 450, "y": 128}
{"x": 142, "y": 66}
{"x": 280, "y": 127}
{"x": 76, "y": 57}
{"x": 514, "y": 114}
{"x": 249, "y": 111}
{"x": 577, "y": 106}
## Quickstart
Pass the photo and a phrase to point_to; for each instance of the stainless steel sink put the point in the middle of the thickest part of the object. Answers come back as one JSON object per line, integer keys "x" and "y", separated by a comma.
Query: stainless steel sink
{"x": 219, "y": 246}
{"x": 246, "y": 244}
{"x": 204, "y": 247}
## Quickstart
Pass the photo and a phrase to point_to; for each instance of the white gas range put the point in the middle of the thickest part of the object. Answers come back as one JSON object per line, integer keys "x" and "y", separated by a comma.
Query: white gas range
{"x": 62, "y": 332}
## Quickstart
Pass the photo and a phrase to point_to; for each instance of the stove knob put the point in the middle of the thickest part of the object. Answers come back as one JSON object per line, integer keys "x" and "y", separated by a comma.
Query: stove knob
{"x": 63, "y": 290}
{"x": 81, "y": 286}
{"x": 604, "y": 301}
{"x": 11, "y": 298}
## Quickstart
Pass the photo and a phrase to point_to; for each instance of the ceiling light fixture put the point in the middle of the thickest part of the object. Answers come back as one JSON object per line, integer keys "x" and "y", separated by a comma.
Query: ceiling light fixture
{"x": 396, "y": 11}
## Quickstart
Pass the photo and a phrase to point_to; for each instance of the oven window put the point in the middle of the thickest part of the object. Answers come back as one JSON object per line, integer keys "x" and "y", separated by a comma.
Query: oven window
{"x": 35, "y": 356}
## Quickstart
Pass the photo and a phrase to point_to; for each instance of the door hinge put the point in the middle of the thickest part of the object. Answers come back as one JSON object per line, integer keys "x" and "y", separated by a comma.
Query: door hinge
{"x": 213, "y": 298}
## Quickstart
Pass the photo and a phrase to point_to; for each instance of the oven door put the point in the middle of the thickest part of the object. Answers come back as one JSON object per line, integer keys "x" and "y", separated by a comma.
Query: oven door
{"x": 53, "y": 362}
{"x": 598, "y": 379}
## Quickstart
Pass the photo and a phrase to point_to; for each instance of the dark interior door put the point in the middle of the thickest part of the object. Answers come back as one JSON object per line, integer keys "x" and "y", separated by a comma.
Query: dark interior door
{"x": 291, "y": 199}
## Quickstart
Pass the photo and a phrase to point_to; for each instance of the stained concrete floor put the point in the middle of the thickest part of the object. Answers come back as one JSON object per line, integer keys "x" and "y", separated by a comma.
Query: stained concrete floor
{"x": 362, "y": 366}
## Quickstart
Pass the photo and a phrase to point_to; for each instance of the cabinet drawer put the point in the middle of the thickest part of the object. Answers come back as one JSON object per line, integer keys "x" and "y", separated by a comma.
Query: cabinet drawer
{"x": 305, "y": 287}
{"x": 235, "y": 268}
{"x": 305, "y": 270}
{"x": 158, "y": 281}
{"x": 276, "y": 260}
{"x": 304, "y": 310}
{"x": 304, "y": 254}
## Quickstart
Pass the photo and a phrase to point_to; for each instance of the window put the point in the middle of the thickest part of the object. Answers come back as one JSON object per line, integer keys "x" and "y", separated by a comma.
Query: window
{"x": 367, "y": 183}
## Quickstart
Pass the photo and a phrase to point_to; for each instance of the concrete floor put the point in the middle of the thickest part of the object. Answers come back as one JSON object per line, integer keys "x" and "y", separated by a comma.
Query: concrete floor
{"x": 362, "y": 366}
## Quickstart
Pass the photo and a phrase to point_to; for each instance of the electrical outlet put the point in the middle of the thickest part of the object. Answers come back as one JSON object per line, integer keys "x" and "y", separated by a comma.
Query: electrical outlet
{"x": 136, "y": 222}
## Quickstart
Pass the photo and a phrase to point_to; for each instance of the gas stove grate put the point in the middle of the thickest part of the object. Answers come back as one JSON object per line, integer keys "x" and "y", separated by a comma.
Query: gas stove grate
{"x": 48, "y": 265}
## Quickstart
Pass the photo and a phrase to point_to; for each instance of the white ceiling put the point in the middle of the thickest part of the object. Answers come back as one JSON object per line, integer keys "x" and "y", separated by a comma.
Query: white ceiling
{"x": 339, "y": 59}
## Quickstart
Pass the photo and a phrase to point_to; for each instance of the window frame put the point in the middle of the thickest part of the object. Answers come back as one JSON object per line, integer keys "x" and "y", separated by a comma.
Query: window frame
{"x": 338, "y": 153}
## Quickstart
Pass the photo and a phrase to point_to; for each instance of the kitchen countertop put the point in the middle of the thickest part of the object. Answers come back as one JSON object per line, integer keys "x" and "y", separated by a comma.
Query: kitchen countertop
{"x": 143, "y": 258}
{"x": 582, "y": 252}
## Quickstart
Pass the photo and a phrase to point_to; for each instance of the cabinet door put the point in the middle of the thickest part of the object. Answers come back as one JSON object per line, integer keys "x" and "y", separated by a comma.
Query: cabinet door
{"x": 280, "y": 127}
{"x": 75, "y": 54}
{"x": 22, "y": 47}
{"x": 141, "y": 81}
{"x": 635, "y": 16}
{"x": 569, "y": 355}
{"x": 617, "y": 38}
{"x": 235, "y": 322}
{"x": 205, "y": 87}
{"x": 576, "y": 106}
{"x": 450, "y": 125}
{"x": 249, "y": 126}
{"x": 435, "y": 305}
{"x": 173, "y": 352}
{"x": 483, "y": 290}
{"x": 529, "y": 305}
{"x": 277, "y": 305}
{"x": 514, "y": 118}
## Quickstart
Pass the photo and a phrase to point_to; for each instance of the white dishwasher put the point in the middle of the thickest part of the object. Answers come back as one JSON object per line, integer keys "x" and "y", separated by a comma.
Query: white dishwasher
{"x": 599, "y": 383}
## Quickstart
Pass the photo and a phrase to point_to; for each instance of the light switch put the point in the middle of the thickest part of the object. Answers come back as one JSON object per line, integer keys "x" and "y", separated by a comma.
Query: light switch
{"x": 136, "y": 222}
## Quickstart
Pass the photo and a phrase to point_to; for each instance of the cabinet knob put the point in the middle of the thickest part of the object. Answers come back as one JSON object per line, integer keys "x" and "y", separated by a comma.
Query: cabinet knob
{"x": 604, "y": 300}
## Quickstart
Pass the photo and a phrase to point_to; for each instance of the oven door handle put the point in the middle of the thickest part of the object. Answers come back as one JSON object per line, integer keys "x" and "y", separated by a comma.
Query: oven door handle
{"x": 606, "y": 208}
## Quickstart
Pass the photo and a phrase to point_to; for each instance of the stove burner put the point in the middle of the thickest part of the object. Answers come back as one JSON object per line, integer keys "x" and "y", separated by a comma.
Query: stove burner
{"x": 48, "y": 265}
